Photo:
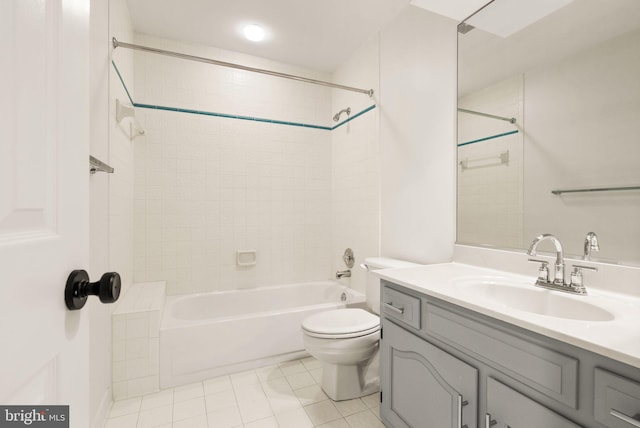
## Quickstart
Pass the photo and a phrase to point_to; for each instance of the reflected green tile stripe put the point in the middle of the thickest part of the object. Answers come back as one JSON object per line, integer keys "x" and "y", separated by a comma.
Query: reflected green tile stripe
{"x": 488, "y": 138}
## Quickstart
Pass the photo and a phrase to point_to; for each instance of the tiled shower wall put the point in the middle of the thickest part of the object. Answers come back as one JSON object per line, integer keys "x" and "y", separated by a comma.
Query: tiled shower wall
{"x": 206, "y": 187}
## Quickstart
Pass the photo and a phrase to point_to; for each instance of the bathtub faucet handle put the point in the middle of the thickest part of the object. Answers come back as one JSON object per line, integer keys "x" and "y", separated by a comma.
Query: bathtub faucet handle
{"x": 343, "y": 273}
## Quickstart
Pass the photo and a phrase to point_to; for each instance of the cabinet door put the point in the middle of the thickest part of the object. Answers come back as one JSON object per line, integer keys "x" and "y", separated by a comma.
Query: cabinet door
{"x": 423, "y": 386}
{"x": 507, "y": 408}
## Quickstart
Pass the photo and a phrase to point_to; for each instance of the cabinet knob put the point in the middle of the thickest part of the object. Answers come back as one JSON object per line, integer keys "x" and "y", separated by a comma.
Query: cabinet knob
{"x": 78, "y": 288}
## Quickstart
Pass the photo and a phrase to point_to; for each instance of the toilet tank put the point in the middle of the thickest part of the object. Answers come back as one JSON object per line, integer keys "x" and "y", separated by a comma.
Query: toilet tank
{"x": 373, "y": 282}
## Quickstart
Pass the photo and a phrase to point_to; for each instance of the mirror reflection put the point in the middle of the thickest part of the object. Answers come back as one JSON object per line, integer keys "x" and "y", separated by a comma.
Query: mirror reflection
{"x": 548, "y": 115}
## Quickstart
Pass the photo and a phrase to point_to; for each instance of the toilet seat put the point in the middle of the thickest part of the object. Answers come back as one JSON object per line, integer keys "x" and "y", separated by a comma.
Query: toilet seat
{"x": 341, "y": 324}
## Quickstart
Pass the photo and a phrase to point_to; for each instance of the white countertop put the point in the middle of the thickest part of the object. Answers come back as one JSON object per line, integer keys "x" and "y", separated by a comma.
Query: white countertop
{"x": 618, "y": 339}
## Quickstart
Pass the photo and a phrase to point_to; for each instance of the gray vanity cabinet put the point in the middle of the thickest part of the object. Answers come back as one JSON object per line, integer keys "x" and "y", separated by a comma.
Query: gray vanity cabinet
{"x": 427, "y": 387}
{"x": 507, "y": 408}
{"x": 444, "y": 366}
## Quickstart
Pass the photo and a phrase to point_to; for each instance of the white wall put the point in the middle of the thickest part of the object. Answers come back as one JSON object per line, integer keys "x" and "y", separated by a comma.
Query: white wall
{"x": 417, "y": 143}
{"x": 355, "y": 165}
{"x": 100, "y": 318}
{"x": 596, "y": 94}
{"x": 208, "y": 186}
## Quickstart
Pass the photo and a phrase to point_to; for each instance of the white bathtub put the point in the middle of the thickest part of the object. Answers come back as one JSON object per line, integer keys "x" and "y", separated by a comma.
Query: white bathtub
{"x": 210, "y": 334}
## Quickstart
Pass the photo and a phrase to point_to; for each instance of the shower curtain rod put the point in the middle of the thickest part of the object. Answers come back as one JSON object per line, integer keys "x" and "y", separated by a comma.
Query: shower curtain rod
{"x": 492, "y": 116}
{"x": 117, "y": 44}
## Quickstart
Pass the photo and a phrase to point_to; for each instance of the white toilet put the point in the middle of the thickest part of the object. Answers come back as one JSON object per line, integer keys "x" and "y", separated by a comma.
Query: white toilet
{"x": 346, "y": 340}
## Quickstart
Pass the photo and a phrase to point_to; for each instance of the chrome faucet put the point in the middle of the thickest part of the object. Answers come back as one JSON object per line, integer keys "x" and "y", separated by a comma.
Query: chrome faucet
{"x": 575, "y": 286}
{"x": 590, "y": 244}
{"x": 558, "y": 277}
{"x": 343, "y": 273}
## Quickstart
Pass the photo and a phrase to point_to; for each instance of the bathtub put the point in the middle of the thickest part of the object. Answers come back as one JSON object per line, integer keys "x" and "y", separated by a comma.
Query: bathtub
{"x": 207, "y": 335}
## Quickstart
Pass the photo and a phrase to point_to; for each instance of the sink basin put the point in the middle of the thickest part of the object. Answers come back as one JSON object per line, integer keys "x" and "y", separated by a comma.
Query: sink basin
{"x": 533, "y": 300}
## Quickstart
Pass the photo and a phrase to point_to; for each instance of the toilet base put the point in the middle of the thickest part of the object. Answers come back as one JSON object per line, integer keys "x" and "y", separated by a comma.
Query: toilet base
{"x": 348, "y": 381}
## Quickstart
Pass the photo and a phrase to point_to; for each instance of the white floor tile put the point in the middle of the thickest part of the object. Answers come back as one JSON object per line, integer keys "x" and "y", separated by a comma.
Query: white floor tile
{"x": 316, "y": 374}
{"x": 263, "y": 423}
{"x": 311, "y": 363}
{"x": 125, "y": 407}
{"x": 311, "y": 394}
{"x": 292, "y": 367}
{"x": 364, "y": 419}
{"x": 322, "y": 412}
{"x": 225, "y": 418}
{"x": 154, "y": 417}
{"x": 220, "y": 400}
{"x": 277, "y": 387}
{"x": 217, "y": 385}
{"x": 300, "y": 380}
{"x": 195, "y": 422}
{"x": 350, "y": 407}
{"x": 296, "y": 418}
{"x": 269, "y": 373}
{"x": 245, "y": 378}
{"x": 125, "y": 421}
{"x": 189, "y": 408}
{"x": 338, "y": 423}
{"x": 269, "y": 397}
{"x": 372, "y": 401}
{"x": 187, "y": 392}
{"x": 253, "y": 403}
{"x": 284, "y": 403}
{"x": 158, "y": 399}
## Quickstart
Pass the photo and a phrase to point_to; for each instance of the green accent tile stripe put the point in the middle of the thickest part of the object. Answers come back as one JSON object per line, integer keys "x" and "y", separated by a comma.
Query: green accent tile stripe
{"x": 354, "y": 116}
{"x": 254, "y": 119}
{"x": 122, "y": 81}
{"x": 233, "y": 116}
{"x": 488, "y": 138}
{"x": 230, "y": 116}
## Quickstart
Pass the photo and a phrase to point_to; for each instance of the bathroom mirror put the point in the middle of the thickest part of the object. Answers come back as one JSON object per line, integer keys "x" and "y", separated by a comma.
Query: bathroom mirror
{"x": 548, "y": 126}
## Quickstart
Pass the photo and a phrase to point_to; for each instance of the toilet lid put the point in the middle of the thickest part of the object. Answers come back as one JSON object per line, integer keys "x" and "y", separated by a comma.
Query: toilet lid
{"x": 341, "y": 323}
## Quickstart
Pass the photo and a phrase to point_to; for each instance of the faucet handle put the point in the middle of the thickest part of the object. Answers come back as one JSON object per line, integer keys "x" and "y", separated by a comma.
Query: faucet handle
{"x": 576, "y": 278}
{"x": 576, "y": 268}
{"x": 543, "y": 270}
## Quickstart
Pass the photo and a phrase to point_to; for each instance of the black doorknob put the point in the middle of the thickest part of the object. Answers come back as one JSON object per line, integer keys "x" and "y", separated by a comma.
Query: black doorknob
{"x": 78, "y": 288}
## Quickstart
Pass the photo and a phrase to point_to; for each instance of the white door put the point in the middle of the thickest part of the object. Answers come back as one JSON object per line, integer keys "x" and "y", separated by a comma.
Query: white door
{"x": 44, "y": 232}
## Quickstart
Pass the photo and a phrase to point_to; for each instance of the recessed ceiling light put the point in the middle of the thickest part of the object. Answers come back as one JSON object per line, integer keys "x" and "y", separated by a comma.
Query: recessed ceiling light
{"x": 254, "y": 32}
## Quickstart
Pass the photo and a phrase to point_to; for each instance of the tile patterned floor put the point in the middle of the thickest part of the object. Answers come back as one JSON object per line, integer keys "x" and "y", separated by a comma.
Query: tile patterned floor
{"x": 286, "y": 395}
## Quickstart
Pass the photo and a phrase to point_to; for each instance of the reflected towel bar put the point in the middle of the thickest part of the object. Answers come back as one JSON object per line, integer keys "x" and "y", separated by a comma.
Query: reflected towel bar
{"x": 492, "y": 116}
{"x": 595, "y": 189}
{"x": 495, "y": 160}
{"x": 117, "y": 44}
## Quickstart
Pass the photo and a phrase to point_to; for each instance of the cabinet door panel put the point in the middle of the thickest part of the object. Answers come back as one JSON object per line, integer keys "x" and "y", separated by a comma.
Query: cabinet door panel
{"x": 425, "y": 386}
{"x": 511, "y": 409}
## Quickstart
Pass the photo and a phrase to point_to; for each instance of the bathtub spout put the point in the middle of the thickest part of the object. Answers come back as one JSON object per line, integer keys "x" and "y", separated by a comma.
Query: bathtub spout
{"x": 343, "y": 273}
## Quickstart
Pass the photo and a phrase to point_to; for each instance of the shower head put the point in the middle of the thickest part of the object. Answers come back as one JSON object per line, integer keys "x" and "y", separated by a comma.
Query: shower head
{"x": 336, "y": 117}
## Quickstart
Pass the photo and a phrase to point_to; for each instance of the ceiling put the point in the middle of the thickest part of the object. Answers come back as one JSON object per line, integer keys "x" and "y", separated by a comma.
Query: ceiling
{"x": 319, "y": 35}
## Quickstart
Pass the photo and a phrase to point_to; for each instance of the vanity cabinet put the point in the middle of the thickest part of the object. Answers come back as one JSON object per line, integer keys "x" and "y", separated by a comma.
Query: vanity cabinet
{"x": 426, "y": 386}
{"x": 507, "y": 408}
{"x": 446, "y": 366}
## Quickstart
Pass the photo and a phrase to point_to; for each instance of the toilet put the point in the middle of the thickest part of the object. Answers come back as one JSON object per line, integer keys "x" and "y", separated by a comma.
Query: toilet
{"x": 346, "y": 340}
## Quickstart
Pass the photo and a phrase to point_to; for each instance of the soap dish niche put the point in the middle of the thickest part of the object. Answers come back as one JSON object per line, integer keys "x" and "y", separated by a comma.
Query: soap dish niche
{"x": 246, "y": 258}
